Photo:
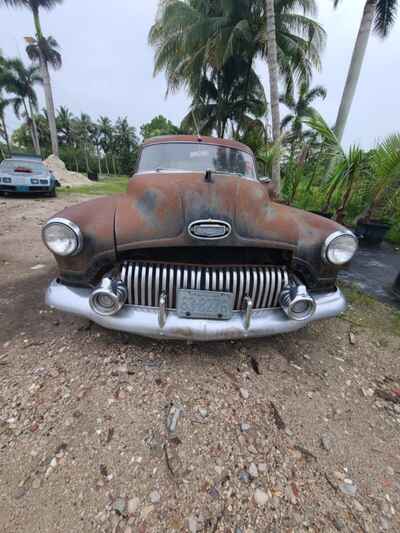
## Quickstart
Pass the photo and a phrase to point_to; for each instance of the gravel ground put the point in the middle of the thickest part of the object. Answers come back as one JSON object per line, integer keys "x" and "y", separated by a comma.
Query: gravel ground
{"x": 101, "y": 431}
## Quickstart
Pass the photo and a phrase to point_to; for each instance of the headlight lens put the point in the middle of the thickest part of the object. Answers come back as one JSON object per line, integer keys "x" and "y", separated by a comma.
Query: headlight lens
{"x": 62, "y": 237}
{"x": 339, "y": 248}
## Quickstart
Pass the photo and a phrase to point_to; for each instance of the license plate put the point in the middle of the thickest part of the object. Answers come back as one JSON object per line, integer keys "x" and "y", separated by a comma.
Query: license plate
{"x": 204, "y": 304}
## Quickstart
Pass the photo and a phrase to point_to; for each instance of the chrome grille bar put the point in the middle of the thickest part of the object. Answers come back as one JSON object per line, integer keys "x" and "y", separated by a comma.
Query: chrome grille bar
{"x": 146, "y": 282}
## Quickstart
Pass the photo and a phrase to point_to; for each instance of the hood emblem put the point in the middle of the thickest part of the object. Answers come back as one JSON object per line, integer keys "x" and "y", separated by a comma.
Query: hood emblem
{"x": 209, "y": 230}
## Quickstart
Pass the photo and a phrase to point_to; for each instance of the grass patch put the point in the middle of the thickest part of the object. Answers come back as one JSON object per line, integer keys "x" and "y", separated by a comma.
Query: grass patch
{"x": 366, "y": 312}
{"x": 111, "y": 185}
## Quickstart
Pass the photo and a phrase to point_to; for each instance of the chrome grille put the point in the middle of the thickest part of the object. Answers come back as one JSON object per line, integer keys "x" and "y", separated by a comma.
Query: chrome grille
{"x": 147, "y": 281}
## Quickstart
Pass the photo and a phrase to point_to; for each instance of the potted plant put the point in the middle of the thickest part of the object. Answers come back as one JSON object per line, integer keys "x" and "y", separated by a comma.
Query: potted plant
{"x": 344, "y": 172}
{"x": 396, "y": 287}
{"x": 372, "y": 224}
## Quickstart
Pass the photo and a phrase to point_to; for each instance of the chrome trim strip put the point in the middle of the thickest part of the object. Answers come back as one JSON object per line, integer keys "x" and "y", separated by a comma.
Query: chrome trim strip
{"x": 136, "y": 285}
{"x": 130, "y": 283}
{"x": 234, "y": 287}
{"x": 214, "y": 279}
{"x": 207, "y": 279}
{"x": 262, "y": 284}
{"x": 150, "y": 286}
{"x": 143, "y": 282}
{"x": 272, "y": 287}
{"x": 171, "y": 286}
{"x": 157, "y": 285}
{"x": 145, "y": 321}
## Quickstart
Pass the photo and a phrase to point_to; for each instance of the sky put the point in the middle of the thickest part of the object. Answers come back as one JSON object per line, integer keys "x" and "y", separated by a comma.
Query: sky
{"x": 108, "y": 64}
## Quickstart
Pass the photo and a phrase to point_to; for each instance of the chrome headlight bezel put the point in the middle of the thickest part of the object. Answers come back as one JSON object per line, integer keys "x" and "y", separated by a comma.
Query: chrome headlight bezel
{"x": 330, "y": 241}
{"x": 71, "y": 227}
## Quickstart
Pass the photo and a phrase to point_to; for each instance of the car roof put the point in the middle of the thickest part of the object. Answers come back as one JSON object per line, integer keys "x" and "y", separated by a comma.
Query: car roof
{"x": 228, "y": 143}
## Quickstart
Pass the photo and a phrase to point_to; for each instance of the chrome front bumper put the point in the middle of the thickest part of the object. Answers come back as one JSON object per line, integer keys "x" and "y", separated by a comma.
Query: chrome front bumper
{"x": 146, "y": 320}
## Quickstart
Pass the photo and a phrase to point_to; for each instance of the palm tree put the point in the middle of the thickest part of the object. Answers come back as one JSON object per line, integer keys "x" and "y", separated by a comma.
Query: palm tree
{"x": 348, "y": 169}
{"x": 385, "y": 167}
{"x": 222, "y": 99}
{"x": 45, "y": 51}
{"x": 44, "y": 55}
{"x": 272, "y": 58}
{"x": 4, "y": 102}
{"x": 194, "y": 37}
{"x": 300, "y": 108}
{"x": 191, "y": 35}
{"x": 106, "y": 140}
{"x": 379, "y": 15}
{"x": 20, "y": 81}
{"x": 64, "y": 125}
{"x": 82, "y": 129}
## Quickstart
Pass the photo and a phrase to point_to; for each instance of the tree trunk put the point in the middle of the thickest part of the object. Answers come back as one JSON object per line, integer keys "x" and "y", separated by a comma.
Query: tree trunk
{"x": 35, "y": 130}
{"x": 86, "y": 159}
{"x": 30, "y": 124}
{"x": 99, "y": 161}
{"x": 107, "y": 167}
{"x": 272, "y": 57}
{"x": 114, "y": 165}
{"x": 50, "y": 106}
{"x": 6, "y": 137}
{"x": 48, "y": 93}
{"x": 355, "y": 67}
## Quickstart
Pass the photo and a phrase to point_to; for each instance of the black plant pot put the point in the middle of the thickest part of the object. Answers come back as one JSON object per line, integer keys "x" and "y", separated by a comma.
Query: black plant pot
{"x": 372, "y": 233}
{"x": 396, "y": 287}
{"x": 321, "y": 214}
{"x": 93, "y": 176}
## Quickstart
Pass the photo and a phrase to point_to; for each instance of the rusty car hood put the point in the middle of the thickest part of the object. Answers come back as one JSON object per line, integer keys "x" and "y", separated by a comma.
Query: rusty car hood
{"x": 160, "y": 206}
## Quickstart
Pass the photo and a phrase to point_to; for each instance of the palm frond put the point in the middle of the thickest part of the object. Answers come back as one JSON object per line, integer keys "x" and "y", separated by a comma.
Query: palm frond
{"x": 385, "y": 17}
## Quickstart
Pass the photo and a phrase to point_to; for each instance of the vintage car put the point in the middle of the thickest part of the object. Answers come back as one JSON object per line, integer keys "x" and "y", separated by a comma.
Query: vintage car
{"x": 197, "y": 249}
{"x": 26, "y": 174}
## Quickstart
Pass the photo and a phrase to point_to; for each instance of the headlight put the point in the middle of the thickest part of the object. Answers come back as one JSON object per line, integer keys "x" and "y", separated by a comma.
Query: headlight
{"x": 6, "y": 180}
{"x": 34, "y": 181}
{"x": 62, "y": 237}
{"x": 339, "y": 248}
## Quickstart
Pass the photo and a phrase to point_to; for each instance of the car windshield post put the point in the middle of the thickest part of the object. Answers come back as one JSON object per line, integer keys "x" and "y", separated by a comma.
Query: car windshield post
{"x": 193, "y": 157}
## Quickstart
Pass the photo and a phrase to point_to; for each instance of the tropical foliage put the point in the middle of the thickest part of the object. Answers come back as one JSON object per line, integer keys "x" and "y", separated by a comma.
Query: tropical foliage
{"x": 85, "y": 145}
{"x": 45, "y": 52}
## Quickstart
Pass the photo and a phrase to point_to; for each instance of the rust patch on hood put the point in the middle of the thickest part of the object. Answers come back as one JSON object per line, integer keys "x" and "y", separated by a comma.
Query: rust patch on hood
{"x": 160, "y": 206}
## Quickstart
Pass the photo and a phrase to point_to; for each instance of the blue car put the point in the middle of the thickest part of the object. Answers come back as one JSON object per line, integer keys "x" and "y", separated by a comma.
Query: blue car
{"x": 26, "y": 174}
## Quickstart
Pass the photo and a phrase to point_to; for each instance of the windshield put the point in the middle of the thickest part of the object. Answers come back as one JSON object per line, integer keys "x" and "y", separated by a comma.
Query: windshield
{"x": 23, "y": 166}
{"x": 196, "y": 157}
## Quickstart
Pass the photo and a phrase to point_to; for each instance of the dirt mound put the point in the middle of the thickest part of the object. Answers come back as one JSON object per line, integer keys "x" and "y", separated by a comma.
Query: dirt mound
{"x": 64, "y": 176}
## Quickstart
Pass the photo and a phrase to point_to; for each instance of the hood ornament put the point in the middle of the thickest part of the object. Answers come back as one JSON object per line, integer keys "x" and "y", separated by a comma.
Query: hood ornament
{"x": 209, "y": 230}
